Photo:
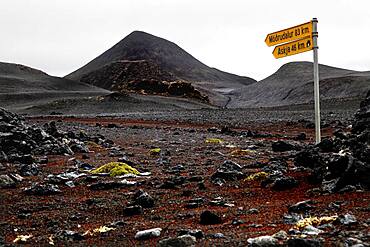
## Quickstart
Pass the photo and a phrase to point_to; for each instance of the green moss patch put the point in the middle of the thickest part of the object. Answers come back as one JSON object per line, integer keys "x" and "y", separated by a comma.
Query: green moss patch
{"x": 116, "y": 169}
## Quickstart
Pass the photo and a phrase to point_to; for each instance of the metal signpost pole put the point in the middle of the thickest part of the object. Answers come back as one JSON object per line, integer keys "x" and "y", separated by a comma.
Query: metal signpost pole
{"x": 295, "y": 40}
{"x": 316, "y": 80}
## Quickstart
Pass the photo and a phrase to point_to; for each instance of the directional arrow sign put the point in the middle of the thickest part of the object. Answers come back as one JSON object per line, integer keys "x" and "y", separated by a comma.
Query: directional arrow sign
{"x": 289, "y": 34}
{"x": 293, "y": 48}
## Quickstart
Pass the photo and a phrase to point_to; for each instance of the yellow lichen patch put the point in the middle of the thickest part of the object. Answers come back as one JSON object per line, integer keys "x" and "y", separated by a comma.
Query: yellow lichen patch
{"x": 22, "y": 238}
{"x": 103, "y": 229}
{"x": 51, "y": 240}
{"x": 242, "y": 152}
{"x": 311, "y": 221}
{"x": 155, "y": 151}
{"x": 116, "y": 169}
{"x": 214, "y": 140}
{"x": 257, "y": 176}
{"x": 327, "y": 219}
{"x": 99, "y": 230}
{"x": 315, "y": 221}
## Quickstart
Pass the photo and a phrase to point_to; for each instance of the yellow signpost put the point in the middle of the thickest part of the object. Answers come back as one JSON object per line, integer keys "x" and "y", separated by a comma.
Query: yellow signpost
{"x": 289, "y": 34}
{"x": 298, "y": 39}
{"x": 293, "y": 48}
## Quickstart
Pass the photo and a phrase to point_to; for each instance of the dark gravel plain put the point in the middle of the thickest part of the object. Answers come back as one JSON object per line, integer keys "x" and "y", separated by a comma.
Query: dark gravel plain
{"x": 155, "y": 108}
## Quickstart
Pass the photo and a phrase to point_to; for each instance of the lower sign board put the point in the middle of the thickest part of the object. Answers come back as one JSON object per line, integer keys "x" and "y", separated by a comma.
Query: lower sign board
{"x": 293, "y": 48}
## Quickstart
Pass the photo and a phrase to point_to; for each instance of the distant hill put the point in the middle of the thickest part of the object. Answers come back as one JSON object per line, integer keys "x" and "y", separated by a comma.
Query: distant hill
{"x": 171, "y": 59}
{"x": 293, "y": 84}
{"x": 21, "y": 85}
{"x": 143, "y": 77}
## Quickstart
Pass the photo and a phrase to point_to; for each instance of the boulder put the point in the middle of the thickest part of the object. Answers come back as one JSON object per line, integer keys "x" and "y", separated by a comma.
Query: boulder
{"x": 303, "y": 242}
{"x": 19, "y": 141}
{"x": 133, "y": 210}
{"x": 42, "y": 190}
{"x": 209, "y": 218}
{"x": 283, "y": 146}
{"x": 68, "y": 235}
{"x": 143, "y": 199}
{"x": 327, "y": 145}
{"x": 301, "y": 207}
{"x": 362, "y": 116}
{"x": 284, "y": 183}
{"x": 309, "y": 158}
{"x": 198, "y": 234}
{"x": 229, "y": 170}
{"x": 181, "y": 241}
{"x": 347, "y": 219}
{"x": 263, "y": 241}
{"x": 355, "y": 173}
{"x": 6, "y": 182}
{"x": 147, "y": 234}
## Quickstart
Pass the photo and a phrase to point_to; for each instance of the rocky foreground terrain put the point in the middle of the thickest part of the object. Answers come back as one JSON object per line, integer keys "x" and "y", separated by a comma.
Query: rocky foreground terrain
{"x": 120, "y": 181}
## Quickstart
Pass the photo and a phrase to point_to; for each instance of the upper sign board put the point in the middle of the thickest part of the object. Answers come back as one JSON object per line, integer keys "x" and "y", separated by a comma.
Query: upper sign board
{"x": 289, "y": 34}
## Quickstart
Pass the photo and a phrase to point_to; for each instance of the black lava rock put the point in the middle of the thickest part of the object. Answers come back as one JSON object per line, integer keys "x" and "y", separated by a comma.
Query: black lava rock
{"x": 327, "y": 145}
{"x": 42, "y": 190}
{"x": 337, "y": 165}
{"x": 3, "y": 157}
{"x": 229, "y": 170}
{"x": 282, "y": 146}
{"x": 23, "y": 159}
{"x": 356, "y": 172}
{"x": 143, "y": 199}
{"x": 303, "y": 242}
{"x": 79, "y": 147}
{"x": 112, "y": 125}
{"x": 195, "y": 233}
{"x": 29, "y": 170}
{"x": 300, "y": 137}
{"x": 68, "y": 235}
{"x": 19, "y": 141}
{"x": 347, "y": 219}
{"x": 133, "y": 210}
{"x": 7, "y": 182}
{"x": 301, "y": 207}
{"x": 106, "y": 185}
{"x": 173, "y": 182}
{"x": 209, "y": 218}
{"x": 284, "y": 183}
{"x": 308, "y": 158}
{"x": 362, "y": 117}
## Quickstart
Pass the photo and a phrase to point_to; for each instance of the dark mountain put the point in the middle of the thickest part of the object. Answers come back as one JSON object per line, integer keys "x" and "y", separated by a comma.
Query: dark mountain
{"x": 120, "y": 73}
{"x": 171, "y": 59}
{"x": 22, "y": 85}
{"x": 141, "y": 76}
{"x": 293, "y": 84}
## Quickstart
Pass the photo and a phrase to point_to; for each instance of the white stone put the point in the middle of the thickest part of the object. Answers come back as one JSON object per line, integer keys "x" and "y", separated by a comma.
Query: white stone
{"x": 263, "y": 241}
{"x": 150, "y": 233}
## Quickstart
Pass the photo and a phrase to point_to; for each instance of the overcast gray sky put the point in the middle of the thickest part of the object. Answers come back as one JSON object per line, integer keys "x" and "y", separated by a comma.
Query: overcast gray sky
{"x": 59, "y": 36}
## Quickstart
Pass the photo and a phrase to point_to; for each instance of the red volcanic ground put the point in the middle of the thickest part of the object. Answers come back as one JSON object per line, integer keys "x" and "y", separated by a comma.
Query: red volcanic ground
{"x": 81, "y": 209}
